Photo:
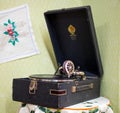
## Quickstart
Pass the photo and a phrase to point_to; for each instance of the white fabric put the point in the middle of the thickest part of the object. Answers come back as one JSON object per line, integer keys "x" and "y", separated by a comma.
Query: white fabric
{"x": 24, "y": 45}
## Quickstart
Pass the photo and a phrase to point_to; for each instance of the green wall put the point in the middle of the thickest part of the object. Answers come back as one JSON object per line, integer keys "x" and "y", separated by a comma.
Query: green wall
{"x": 107, "y": 22}
{"x": 106, "y": 18}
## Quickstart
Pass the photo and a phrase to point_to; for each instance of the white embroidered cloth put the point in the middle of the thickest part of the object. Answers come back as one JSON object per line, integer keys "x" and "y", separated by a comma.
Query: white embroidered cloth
{"x": 98, "y": 105}
{"x": 16, "y": 35}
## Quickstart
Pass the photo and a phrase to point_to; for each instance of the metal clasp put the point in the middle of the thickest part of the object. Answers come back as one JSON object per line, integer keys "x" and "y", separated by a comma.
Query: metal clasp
{"x": 33, "y": 86}
{"x": 78, "y": 88}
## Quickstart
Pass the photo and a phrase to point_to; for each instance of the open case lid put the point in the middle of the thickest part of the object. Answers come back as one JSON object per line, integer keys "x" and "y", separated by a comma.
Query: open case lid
{"x": 73, "y": 38}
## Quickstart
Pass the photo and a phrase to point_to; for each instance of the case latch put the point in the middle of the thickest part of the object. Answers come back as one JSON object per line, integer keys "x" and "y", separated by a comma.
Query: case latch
{"x": 33, "y": 86}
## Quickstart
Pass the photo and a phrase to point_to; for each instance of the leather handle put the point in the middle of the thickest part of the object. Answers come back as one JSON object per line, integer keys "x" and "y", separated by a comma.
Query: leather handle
{"x": 58, "y": 92}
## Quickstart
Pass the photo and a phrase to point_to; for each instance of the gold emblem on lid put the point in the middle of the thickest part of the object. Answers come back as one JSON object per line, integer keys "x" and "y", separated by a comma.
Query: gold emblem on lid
{"x": 72, "y": 30}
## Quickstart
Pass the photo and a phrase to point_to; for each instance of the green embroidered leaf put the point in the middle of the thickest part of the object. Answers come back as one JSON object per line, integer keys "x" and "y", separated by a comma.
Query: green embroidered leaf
{"x": 9, "y": 21}
{"x": 13, "y": 43}
{"x": 10, "y": 41}
{"x": 13, "y": 23}
{"x": 16, "y": 39}
{"x": 13, "y": 26}
{"x": 5, "y": 24}
{"x": 16, "y": 33}
{"x": 6, "y": 32}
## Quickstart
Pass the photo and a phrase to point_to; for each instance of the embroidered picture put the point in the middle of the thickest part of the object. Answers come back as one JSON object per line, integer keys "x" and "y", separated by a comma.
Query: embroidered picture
{"x": 11, "y": 32}
{"x": 17, "y": 38}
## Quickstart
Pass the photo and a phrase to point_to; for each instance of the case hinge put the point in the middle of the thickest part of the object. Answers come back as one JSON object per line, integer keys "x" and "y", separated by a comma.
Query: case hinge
{"x": 82, "y": 87}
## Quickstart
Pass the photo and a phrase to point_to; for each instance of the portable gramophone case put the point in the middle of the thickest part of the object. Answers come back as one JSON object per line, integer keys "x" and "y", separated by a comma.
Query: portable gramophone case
{"x": 77, "y": 78}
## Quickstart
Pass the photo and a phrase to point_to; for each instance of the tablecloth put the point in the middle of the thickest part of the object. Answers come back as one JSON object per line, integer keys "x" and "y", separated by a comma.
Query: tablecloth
{"x": 97, "y": 105}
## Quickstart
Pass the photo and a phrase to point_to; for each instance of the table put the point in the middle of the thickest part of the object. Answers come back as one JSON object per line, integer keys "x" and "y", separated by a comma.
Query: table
{"x": 97, "y": 105}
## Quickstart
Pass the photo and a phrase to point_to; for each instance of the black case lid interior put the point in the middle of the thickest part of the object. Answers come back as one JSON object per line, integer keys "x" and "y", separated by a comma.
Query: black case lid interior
{"x": 78, "y": 45}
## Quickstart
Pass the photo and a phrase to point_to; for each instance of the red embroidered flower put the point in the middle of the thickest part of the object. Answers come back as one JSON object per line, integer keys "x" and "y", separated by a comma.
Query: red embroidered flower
{"x": 11, "y": 32}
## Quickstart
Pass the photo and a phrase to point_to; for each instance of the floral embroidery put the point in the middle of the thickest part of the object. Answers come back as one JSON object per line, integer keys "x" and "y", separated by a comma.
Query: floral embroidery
{"x": 11, "y": 32}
